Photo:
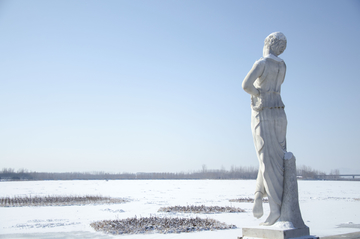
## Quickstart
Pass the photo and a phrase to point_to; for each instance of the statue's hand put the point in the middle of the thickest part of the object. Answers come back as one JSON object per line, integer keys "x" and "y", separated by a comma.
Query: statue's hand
{"x": 256, "y": 102}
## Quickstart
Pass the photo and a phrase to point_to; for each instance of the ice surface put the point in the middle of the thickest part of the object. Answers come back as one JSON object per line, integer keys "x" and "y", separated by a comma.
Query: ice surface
{"x": 324, "y": 205}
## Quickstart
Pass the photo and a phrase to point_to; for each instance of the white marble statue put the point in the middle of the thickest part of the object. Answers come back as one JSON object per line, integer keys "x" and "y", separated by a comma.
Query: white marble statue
{"x": 277, "y": 168}
{"x": 268, "y": 124}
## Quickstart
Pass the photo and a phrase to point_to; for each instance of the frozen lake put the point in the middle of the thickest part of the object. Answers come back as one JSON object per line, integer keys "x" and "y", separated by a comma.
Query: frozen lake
{"x": 324, "y": 205}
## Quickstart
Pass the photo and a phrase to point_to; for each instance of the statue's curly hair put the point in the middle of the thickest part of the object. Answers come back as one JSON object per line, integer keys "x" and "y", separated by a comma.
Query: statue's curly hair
{"x": 277, "y": 41}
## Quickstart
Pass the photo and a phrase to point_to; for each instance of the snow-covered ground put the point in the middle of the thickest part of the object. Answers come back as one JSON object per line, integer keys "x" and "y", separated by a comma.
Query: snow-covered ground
{"x": 324, "y": 204}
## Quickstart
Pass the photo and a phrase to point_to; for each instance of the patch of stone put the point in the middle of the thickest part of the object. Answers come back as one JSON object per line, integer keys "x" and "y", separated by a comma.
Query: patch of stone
{"x": 155, "y": 224}
{"x": 57, "y": 235}
{"x": 349, "y": 225}
{"x": 249, "y": 200}
{"x": 200, "y": 209}
{"x": 35, "y": 201}
{"x": 50, "y": 223}
{"x": 353, "y": 235}
{"x": 333, "y": 198}
{"x": 113, "y": 211}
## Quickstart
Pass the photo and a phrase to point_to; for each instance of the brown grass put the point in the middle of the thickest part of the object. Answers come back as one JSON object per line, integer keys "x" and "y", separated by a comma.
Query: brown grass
{"x": 36, "y": 201}
{"x": 250, "y": 200}
{"x": 158, "y": 225}
{"x": 200, "y": 209}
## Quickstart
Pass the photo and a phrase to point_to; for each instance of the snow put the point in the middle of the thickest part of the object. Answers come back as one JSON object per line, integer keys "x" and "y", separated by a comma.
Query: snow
{"x": 324, "y": 205}
{"x": 284, "y": 225}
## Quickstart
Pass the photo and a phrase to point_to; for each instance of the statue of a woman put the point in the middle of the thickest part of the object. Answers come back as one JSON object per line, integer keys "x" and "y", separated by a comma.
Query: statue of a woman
{"x": 268, "y": 124}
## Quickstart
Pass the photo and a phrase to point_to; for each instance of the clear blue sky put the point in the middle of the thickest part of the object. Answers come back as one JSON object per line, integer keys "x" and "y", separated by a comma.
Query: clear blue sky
{"x": 142, "y": 86}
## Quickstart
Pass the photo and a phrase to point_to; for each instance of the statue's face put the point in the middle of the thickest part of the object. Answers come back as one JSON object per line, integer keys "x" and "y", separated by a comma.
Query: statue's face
{"x": 282, "y": 48}
{"x": 278, "y": 49}
{"x": 275, "y": 48}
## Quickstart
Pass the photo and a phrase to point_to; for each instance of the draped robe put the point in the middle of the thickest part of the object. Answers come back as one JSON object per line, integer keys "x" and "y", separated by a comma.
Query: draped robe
{"x": 268, "y": 124}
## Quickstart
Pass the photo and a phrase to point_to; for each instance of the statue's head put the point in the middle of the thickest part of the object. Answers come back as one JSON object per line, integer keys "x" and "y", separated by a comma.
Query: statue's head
{"x": 275, "y": 43}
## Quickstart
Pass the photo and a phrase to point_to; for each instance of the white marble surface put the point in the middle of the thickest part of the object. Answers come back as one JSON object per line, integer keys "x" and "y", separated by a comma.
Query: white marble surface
{"x": 277, "y": 169}
{"x": 268, "y": 124}
{"x": 271, "y": 232}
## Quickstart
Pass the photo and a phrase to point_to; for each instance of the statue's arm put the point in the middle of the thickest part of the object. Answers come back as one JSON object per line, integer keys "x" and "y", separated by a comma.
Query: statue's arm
{"x": 255, "y": 72}
{"x": 284, "y": 73}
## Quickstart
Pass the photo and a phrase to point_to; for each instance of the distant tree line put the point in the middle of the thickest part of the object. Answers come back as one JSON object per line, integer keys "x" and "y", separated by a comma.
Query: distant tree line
{"x": 234, "y": 173}
{"x": 306, "y": 172}
{"x": 303, "y": 172}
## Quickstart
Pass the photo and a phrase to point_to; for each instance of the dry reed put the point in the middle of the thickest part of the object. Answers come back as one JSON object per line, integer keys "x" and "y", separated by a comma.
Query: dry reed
{"x": 250, "y": 200}
{"x": 34, "y": 201}
{"x": 200, "y": 209}
{"x": 155, "y": 224}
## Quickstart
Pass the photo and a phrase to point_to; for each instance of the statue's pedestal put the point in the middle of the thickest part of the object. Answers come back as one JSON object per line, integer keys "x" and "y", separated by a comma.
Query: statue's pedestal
{"x": 275, "y": 233}
{"x": 290, "y": 224}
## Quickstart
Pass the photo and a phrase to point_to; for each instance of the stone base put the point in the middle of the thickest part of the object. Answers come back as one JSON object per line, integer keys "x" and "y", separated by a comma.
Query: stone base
{"x": 275, "y": 233}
